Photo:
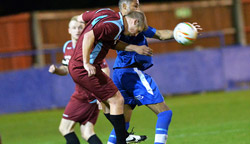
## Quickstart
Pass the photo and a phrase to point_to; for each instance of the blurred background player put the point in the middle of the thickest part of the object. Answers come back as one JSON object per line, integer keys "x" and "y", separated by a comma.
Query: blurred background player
{"x": 78, "y": 108}
{"x": 103, "y": 28}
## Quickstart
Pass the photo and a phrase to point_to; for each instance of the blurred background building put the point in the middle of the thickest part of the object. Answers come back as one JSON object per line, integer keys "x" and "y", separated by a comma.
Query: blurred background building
{"x": 32, "y": 36}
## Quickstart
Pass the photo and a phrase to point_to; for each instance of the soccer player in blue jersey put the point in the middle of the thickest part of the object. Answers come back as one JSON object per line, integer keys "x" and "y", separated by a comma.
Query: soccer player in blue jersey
{"x": 137, "y": 87}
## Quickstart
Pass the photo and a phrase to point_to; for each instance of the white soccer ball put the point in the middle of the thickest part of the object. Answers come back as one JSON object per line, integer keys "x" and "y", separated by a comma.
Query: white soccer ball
{"x": 185, "y": 33}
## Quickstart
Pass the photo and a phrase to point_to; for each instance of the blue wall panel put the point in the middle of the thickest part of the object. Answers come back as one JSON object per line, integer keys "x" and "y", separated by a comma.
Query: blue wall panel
{"x": 237, "y": 63}
{"x": 187, "y": 72}
{"x": 175, "y": 73}
{"x": 33, "y": 89}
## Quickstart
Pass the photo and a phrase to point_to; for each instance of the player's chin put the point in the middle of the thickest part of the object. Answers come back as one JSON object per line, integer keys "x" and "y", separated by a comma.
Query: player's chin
{"x": 131, "y": 34}
{"x": 128, "y": 34}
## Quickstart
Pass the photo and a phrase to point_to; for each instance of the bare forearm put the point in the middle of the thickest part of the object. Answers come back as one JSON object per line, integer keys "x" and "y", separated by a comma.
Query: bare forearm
{"x": 62, "y": 70}
{"x": 125, "y": 46}
{"x": 163, "y": 34}
{"x": 143, "y": 49}
{"x": 120, "y": 45}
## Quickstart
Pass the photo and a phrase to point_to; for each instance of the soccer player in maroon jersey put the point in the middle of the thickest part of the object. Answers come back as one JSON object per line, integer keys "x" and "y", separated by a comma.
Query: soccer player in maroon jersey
{"x": 79, "y": 109}
{"x": 103, "y": 28}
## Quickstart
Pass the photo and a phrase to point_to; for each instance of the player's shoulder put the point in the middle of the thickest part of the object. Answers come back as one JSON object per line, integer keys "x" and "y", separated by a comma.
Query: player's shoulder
{"x": 107, "y": 11}
{"x": 150, "y": 32}
{"x": 67, "y": 44}
{"x": 115, "y": 20}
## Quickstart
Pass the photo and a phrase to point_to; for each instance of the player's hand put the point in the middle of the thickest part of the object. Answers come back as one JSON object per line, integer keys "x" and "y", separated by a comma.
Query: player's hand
{"x": 198, "y": 27}
{"x": 52, "y": 69}
{"x": 144, "y": 50}
{"x": 90, "y": 69}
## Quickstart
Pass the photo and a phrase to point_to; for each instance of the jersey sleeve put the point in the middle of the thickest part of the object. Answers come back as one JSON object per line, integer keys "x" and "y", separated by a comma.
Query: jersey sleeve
{"x": 65, "y": 60}
{"x": 88, "y": 15}
{"x": 150, "y": 32}
{"x": 106, "y": 32}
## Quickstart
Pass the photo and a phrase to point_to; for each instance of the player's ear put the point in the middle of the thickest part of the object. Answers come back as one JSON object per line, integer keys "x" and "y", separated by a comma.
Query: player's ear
{"x": 69, "y": 31}
{"x": 136, "y": 21}
{"x": 124, "y": 6}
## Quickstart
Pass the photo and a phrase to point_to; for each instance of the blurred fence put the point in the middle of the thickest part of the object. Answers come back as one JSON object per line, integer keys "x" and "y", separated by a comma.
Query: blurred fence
{"x": 53, "y": 54}
{"x": 15, "y": 35}
{"x": 48, "y": 29}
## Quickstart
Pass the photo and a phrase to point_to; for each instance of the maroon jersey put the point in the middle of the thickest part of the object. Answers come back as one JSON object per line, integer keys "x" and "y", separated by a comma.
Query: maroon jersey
{"x": 107, "y": 26}
{"x": 68, "y": 51}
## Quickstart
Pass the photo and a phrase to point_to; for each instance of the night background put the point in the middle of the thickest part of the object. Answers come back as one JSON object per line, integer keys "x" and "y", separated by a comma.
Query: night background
{"x": 8, "y": 7}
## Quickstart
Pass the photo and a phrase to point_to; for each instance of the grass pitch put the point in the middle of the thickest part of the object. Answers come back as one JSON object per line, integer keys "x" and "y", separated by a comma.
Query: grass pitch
{"x": 208, "y": 118}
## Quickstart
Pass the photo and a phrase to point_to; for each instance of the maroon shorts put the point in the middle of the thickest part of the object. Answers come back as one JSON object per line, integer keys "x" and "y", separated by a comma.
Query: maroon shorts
{"x": 100, "y": 84}
{"x": 80, "y": 111}
{"x": 82, "y": 94}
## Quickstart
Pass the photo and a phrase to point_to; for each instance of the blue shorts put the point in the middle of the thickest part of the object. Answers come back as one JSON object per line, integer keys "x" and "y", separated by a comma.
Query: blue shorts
{"x": 137, "y": 87}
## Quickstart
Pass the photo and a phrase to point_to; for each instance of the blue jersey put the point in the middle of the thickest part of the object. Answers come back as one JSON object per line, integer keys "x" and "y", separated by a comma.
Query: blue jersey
{"x": 125, "y": 58}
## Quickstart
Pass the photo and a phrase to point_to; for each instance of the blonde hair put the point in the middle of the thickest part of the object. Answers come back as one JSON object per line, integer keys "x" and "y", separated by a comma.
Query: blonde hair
{"x": 74, "y": 18}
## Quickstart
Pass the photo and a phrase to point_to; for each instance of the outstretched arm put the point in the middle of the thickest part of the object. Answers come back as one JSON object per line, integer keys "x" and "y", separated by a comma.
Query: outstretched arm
{"x": 163, "y": 34}
{"x": 168, "y": 34}
{"x": 143, "y": 50}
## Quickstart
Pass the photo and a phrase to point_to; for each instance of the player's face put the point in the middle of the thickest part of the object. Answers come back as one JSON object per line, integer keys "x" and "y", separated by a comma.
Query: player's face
{"x": 132, "y": 6}
{"x": 75, "y": 29}
{"x": 133, "y": 30}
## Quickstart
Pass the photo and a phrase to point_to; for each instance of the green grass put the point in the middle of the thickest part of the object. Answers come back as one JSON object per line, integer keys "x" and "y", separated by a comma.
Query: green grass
{"x": 208, "y": 118}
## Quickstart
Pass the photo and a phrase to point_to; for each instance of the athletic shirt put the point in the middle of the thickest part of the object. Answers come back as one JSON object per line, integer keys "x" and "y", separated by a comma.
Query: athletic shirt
{"x": 68, "y": 51}
{"x": 125, "y": 58}
{"x": 107, "y": 26}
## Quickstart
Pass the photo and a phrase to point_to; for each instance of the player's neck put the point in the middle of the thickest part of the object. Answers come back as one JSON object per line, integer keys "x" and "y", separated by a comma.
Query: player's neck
{"x": 74, "y": 42}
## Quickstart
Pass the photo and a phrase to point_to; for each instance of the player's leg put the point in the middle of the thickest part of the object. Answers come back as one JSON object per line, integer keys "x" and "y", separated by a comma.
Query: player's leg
{"x": 74, "y": 112}
{"x": 131, "y": 138}
{"x": 147, "y": 93}
{"x": 112, "y": 137}
{"x": 123, "y": 83}
{"x": 104, "y": 90}
{"x": 116, "y": 104}
{"x": 127, "y": 114}
{"x": 164, "y": 115}
{"x": 88, "y": 133}
{"x": 66, "y": 128}
{"x": 89, "y": 118}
